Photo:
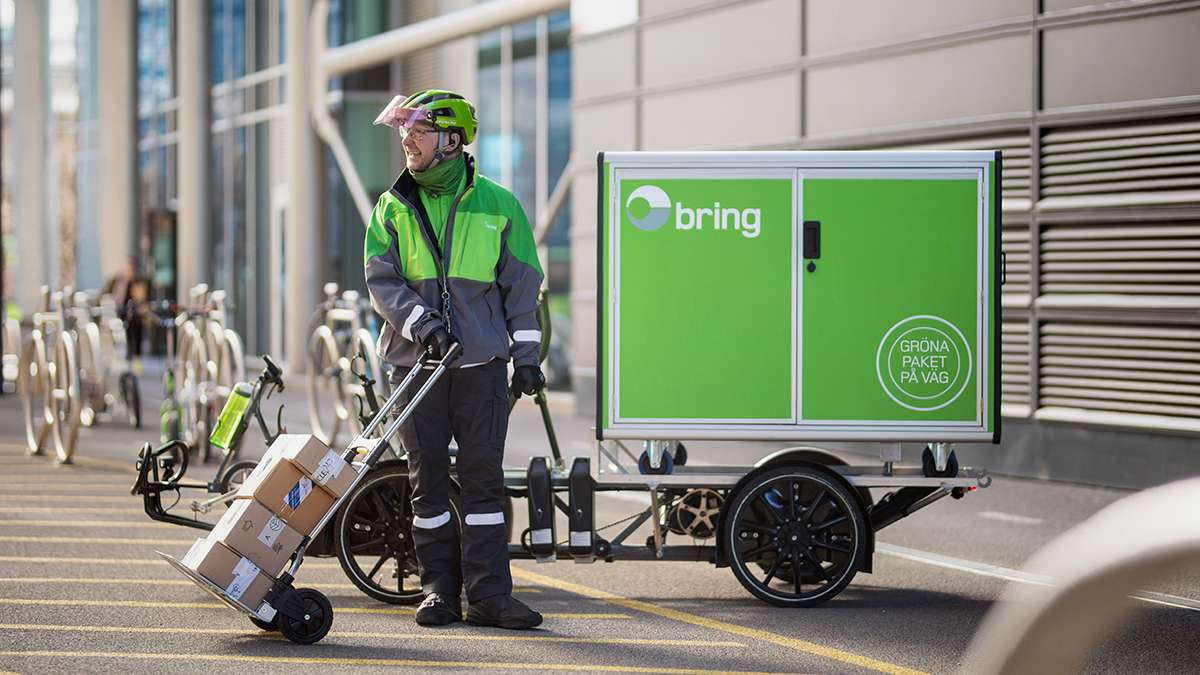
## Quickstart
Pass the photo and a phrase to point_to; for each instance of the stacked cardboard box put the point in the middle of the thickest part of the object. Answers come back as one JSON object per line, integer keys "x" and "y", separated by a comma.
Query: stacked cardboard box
{"x": 283, "y": 500}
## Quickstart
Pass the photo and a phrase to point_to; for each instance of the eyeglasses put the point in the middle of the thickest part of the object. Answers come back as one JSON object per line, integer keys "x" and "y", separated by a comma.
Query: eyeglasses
{"x": 416, "y": 133}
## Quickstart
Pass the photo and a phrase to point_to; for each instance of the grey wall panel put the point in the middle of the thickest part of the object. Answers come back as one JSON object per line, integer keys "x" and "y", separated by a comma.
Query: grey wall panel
{"x": 700, "y": 119}
{"x": 603, "y": 66}
{"x": 583, "y": 202}
{"x": 583, "y": 303}
{"x": 1056, "y": 5}
{"x": 736, "y": 39}
{"x": 837, "y": 25}
{"x": 965, "y": 80}
{"x": 603, "y": 127}
{"x": 1149, "y": 57}
{"x": 652, "y": 8}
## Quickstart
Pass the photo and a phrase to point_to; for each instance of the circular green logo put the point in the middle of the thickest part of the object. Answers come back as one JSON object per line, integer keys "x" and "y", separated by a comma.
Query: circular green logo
{"x": 923, "y": 363}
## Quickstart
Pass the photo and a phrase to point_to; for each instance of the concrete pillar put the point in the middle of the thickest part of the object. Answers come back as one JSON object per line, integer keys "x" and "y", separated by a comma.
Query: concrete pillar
{"x": 28, "y": 183}
{"x": 303, "y": 262}
{"x": 116, "y": 197}
{"x": 193, "y": 89}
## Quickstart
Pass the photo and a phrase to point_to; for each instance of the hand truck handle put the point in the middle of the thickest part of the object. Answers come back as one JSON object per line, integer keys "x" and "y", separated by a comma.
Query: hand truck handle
{"x": 392, "y": 400}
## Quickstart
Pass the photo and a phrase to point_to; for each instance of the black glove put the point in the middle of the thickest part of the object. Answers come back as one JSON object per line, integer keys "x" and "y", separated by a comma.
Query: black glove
{"x": 527, "y": 380}
{"x": 437, "y": 343}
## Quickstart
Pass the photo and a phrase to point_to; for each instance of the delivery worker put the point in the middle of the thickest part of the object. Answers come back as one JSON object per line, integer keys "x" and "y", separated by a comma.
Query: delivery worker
{"x": 450, "y": 258}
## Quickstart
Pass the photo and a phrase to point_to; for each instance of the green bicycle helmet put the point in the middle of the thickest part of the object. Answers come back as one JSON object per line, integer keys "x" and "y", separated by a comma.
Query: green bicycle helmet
{"x": 446, "y": 110}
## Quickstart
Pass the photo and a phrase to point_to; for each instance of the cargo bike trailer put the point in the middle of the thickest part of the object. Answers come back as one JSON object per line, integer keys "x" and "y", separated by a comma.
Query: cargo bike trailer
{"x": 887, "y": 331}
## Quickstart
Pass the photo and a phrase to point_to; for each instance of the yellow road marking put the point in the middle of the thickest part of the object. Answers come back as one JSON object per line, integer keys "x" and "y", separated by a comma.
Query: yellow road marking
{"x": 94, "y": 540}
{"x": 157, "y": 562}
{"x": 152, "y": 604}
{"x": 725, "y": 627}
{"x": 59, "y": 498}
{"x": 123, "y": 524}
{"x": 140, "y": 582}
{"x": 56, "y": 485}
{"x": 369, "y": 634}
{"x": 394, "y": 663}
{"x": 56, "y": 509}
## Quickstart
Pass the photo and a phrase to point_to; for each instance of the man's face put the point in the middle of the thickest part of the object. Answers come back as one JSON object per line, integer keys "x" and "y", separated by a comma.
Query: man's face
{"x": 420, "y": 143}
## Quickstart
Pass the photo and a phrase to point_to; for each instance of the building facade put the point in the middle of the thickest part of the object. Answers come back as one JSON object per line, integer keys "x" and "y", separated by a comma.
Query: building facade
{"x": 1096, "y": 107}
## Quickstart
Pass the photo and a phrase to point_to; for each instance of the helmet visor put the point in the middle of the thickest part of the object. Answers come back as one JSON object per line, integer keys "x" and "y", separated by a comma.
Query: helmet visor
{"x": 403, "y": 118}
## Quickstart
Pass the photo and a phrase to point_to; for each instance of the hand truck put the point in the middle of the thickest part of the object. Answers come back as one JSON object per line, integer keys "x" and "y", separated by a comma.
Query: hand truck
{"x": 305, "y": 615}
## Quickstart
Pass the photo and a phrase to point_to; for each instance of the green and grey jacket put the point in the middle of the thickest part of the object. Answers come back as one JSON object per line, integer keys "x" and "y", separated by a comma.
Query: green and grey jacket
{"x": 483, "y": 287}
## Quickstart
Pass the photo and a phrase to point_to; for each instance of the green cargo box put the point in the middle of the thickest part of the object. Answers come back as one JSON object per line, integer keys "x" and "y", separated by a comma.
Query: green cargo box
{"x": 799, "y": 296}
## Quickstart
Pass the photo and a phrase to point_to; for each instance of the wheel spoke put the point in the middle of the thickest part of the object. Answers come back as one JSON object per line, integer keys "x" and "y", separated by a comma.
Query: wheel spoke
{"x": 359, "y": 548}
{"x": 796, "y": 570}
{"x": 831, "y": 546}
{"x": 762, "y": 497}
{"x": 830, "y": 523}
{"x": 765, "y": 529}
{"x": 791, "y": 501}
{"x": 812, "y": 508}
{"x": 381, "y": 507}
{"x": 378, "y": 565}
{"x": 817, "y": 565}
{"x": 754, "y": 553}
{"x": 772, "y": 570}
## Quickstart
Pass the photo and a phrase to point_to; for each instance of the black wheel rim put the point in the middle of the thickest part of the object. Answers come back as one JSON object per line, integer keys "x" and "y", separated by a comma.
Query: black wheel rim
{"x": 791, "y": 523}
{"x": 378, "y": 538}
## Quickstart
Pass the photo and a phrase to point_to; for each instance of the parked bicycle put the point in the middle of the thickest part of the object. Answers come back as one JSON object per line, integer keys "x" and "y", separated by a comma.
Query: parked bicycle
{"x": 342, "y": 328}
{"x": 48, "y": 381}
{"x": 209, "y": 360}
{"x": 105, "y": 375}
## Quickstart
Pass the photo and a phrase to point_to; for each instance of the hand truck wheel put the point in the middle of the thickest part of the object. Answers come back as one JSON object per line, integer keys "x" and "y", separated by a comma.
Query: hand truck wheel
{"x": 313, "y": 624}
{"x": 271, "y": 626}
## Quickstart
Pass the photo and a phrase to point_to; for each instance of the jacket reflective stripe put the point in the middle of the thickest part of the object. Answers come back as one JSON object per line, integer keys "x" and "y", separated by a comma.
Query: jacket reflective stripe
{"x": 415, "y": 314}
{"x": 431, "y": 523}
{"x": 485, "y": 518}
{"x": 527, "y": 336}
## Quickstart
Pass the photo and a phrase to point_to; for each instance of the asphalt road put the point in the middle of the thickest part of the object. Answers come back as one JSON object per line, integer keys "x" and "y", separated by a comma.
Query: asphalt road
{"x": 81, "y": 589}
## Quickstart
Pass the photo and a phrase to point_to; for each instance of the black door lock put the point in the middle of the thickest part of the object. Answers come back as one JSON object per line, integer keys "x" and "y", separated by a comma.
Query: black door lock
{"x": 812, "y": 242}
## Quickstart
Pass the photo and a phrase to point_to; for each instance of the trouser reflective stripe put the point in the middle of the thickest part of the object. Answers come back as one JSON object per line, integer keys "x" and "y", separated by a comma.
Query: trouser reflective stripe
{"x": 470, "y": 405}
{"x": 485, "y": 518}
{"x": 431, "y": 523}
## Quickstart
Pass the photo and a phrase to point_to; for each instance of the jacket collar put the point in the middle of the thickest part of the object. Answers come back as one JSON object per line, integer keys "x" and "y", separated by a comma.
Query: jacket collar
{"x": 406, "y": 186}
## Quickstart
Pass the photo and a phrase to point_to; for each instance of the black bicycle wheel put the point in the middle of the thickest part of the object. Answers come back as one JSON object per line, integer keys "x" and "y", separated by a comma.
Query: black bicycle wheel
{"x": 789, "y": 519}
{"x": 373, "y": 537}
{"x": 234, "y": 476}
{"x": 131, "y": 396}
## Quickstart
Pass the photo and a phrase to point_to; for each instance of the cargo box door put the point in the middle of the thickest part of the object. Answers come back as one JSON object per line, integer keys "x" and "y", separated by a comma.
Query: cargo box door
{"x": 891, "y": 278}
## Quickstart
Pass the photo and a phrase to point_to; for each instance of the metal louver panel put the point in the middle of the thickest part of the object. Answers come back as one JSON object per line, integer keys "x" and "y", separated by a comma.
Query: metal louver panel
{"x": 1014, "y": 368}
{"x": 1159, "y": 259}
{"x": 1132, "y": 375}
{"x": 1121, "y": 165}
{"x": 1014, "y": 241}
{"x": 1016, "y": 165}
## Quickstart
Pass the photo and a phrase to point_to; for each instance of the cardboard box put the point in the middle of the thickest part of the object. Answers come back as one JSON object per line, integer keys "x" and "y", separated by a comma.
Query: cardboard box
{"x": 324, "y": 466}
{"x": 252, "y": 530}
{"x": 281, "y": 484}
{"x": 242, "y": 579}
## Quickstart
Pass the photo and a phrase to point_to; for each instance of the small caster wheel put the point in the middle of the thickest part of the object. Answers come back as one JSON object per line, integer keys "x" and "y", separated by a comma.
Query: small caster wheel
{"x": 313, "y": 624}
{"x": 929, "y": 467}
{"x": 270, "y": 626}
{"x": 680, "y": 454}
{"x": 665, "y": 467}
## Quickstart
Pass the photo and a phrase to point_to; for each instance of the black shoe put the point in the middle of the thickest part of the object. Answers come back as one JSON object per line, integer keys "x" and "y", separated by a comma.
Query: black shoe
{"x": 439, "y": 609}
{"x": 502, "y": 611}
